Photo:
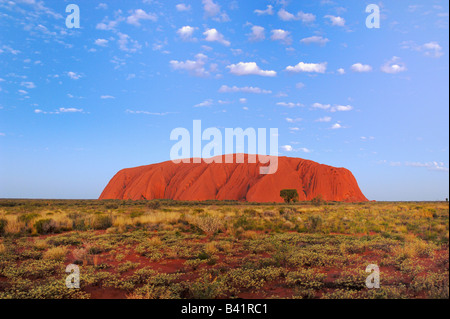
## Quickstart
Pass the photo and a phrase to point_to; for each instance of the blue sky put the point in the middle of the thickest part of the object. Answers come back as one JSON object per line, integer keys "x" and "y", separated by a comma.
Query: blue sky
{"x": 77, "y": 105}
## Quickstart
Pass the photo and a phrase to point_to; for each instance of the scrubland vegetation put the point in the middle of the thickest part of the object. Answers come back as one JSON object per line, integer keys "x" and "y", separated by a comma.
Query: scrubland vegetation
{"x": 166, "y": 249}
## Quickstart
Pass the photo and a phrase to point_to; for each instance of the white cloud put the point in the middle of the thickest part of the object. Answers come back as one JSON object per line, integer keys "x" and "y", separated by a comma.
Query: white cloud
{"x": 212, "y": 9}
{"x": 182, "y": 7}
{"x": 70, "y": 110}
{"x": 245, "y": 89}
{"x": 304, "y": 17}
{"x": 148, "y": 113}
{"x": 325, "y": 119}
{"x": 431, "y": 49}
{"x": 282, "y": 36}
{"x": 286, "y": 16}
{"x": 315, "y": 39}
{"x": 289, "y": 104}
{"x": 257, "y": 34}
{"x": 212, "y": 35}
{"x": 242, "y": 100}
{"x": 300, "y": 85}
{"x": 434, "y": 166}
{"x": 305, "y": 150}
{"x": 124, "y": 41}
{"x": 196, "y": 67}
{"x": 359, "y": 67}
{"x": 73, "y": 75}
{"x": 336, "y": 21}
{"x": 106, "y": 97}
{"x": 341, "y": 71}
{"x": 186, "y": 33}
{"x": 291, "y": 120}
{"x": 28, "y": 85}
{"x": 341, "y": 108}
{"x": 208, "y": 102}
{"x": 140, "y": 14}
{"x": 249, "y": 68}
{"x": 268, "y": 11}
{"x": 308, "y": 67}
{"x": 394, "y": 66}
{"x": 321, "y": 106}
{"x": 101, "y": 42}
{"x": 22, "y": 92}
{"x": 287, "y": 148}
{"x": 336, "y": 126}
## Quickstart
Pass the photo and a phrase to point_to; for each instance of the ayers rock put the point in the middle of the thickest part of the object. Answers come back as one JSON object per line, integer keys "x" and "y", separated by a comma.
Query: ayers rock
{"x": 242, "y": 182}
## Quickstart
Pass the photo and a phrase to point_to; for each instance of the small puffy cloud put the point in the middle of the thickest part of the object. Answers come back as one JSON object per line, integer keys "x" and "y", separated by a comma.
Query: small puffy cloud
{"x": 325, "y": 119}
{"x": 341, "y": 108}
{"x": 101, "y": 42}
{"x": 361, "y": 68}
{"x": 300, "y": 85}
{"x": 289, "y": 104}
{"x": 291, "y": 120}
{"x": 304, "y": 17}
{"x": 73, "y": 75}
{"x": 305, "y": 150}
{"x": 282, "y": 36}
{"x": 336, "y": 21}
{"x": 208, "y": 102}
{"x": 394, "y": 66}
{"x": 70, "y": 110}
{"x": 140, "y": 14}
{"x": 245, "y": 89}
{"x": 341, "y": 71}
{"x": 258, "y": 34}
{"x": 107, "y": 97}
{"x": 181, "y": 7}
{"x": 127, "y": 44}
{"x": 249, "y": 68}
{"x": 286, "y": 16}
{"x": 316, "y": 40}
{"x": 434, "y": 166}
{"x": 321, "y": 106}
{"x": 287, "y": 148}
{"x": 212, "y": 10}
{"x": 186, "y": 33}
{"x": 431, "y": 49}
{"x": 196, "y": 68}
{"x": 28, "y": 85}
{"x": 336, "y": 126}
{"x": 242, "y": 100}
{"x": 267, "y": 11}
{"x": 308, "y": 67}
{"x": 23, "y": 92}
{"x": 103, "y": 6}
{"x": 212, "y": 35}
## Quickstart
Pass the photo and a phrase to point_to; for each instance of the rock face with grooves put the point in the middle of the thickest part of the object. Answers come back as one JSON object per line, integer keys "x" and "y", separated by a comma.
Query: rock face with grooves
{"x": 242, "y": 182}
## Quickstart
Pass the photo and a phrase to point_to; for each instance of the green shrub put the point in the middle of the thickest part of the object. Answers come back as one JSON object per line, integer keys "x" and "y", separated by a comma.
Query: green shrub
{"x": 45, "y": 226}
{"x": 3, "y": 223}
{"x": 102, "y": 222}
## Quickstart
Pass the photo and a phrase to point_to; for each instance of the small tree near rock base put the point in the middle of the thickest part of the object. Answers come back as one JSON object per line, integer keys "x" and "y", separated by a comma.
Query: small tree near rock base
{"x": 289, "y": 195}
